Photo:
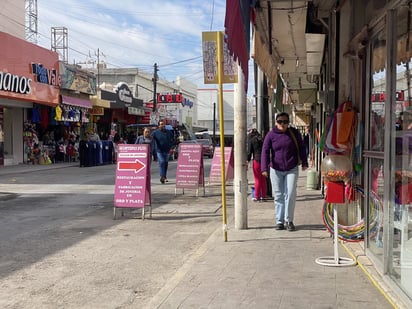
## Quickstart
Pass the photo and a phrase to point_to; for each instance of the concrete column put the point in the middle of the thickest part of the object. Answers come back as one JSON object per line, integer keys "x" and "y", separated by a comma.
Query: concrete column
{"x": 240, "y": 182}
{"x": 259, "y": 101}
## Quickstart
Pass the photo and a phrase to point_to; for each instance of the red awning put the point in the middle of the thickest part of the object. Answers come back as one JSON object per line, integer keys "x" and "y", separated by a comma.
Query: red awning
{"x": 76, "y": 102}
{"x": 235, "y": 27}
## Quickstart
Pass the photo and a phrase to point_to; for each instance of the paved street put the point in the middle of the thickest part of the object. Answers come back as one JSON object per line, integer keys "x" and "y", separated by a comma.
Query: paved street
{"x": 61, "y": 248}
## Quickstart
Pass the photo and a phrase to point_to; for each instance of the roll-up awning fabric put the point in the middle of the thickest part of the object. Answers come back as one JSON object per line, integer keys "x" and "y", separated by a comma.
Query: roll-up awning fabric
{"x": 76, "y": 102}
{"x": 264, "y": 60}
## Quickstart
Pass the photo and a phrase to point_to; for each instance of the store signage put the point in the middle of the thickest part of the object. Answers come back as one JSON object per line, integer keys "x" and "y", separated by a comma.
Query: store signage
{"x": 135, "y": 111}
{"x": 46, "y": 76}
{"x": 169, "y": 98}
{"x": 77, "y": 79}
{"x": 97, "y": 111}
{"x": 124, "y": 95}
{"x": 187, "y": 102}
{"x": 15, "y": 83}
{"x": 28, "y": 72}
{"x": 173, "y": 98}
{"x": 381, "y": 97}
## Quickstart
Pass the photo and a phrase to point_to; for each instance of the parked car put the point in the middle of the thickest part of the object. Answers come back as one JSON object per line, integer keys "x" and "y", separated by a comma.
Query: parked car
{"x": 207, "y": 147}
{"x": 174, "y": 153}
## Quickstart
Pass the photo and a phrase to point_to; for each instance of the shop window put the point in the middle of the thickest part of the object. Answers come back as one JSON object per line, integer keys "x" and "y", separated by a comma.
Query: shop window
{"x": 401, "y": 212}
{"x": 376, "y": 144}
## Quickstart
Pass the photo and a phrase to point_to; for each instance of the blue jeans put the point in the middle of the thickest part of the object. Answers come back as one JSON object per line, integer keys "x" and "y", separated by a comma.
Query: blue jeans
{"x": 163, "y": 158}
{"x": 284, "y": 192}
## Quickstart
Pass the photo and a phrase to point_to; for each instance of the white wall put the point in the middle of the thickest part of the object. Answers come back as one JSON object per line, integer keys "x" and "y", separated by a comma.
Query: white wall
{"x": 12, "y": 17}
{"x": 13, "y": 135}
{"x": 206, "y": 98}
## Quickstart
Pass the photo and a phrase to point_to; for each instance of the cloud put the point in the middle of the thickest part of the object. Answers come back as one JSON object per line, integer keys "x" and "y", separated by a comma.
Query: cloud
{"x": 131, "y": 33}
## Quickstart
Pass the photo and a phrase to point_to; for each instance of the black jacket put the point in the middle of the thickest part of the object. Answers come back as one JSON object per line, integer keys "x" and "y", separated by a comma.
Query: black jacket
{"x": 255, "y": 148}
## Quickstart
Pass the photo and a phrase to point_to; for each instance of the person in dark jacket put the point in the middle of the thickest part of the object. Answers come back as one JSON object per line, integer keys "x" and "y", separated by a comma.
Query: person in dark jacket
{"x": 164, "y": 141}
{"x": 281, "y": 151}
{"x": 147, "y": 138}
{"x": 254, "y": 151}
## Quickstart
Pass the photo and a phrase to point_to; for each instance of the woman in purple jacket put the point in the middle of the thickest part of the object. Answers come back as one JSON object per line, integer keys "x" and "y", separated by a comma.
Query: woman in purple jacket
{"x": 282, "y": 149}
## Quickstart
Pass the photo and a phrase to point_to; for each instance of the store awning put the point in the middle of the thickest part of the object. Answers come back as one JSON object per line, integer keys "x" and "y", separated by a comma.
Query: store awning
{"x": 76, "y": 102}
{"x": 97, "y": 102}
{"x": 264, "y": 60}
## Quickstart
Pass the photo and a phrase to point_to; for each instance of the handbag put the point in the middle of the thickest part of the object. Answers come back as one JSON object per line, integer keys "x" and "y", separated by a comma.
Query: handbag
{"x": 296, "y": 144}
{"x": 346, "y": 123}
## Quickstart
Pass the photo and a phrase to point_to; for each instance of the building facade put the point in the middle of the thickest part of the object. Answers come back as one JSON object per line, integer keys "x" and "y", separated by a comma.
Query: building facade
{"x": 366, "y": 61}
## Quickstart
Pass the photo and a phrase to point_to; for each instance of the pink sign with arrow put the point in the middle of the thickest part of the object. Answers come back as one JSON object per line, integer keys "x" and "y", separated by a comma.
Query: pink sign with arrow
{"x": 132, "y": 184}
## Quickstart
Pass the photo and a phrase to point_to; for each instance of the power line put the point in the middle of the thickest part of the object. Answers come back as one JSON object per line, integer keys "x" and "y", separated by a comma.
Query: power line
{"x": 179, "y": 62}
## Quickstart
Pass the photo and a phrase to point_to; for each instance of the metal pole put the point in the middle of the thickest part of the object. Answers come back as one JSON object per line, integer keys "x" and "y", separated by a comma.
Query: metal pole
{"x": 214, "y": 123}
{"x": 98, "y": 68}
{"x": 259, "y": 101}
{"x": 154, "y": 87}
{"x": 222, "y": 129}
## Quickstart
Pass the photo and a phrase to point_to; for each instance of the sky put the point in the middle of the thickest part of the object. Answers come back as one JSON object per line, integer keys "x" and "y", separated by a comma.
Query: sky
{"x": 135, "y": 34}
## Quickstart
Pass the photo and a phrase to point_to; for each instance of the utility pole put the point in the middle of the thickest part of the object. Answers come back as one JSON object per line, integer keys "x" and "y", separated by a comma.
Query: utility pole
{"x": 214, "y": 123}
{"x": 154, "y": 79}
{"x": 98, "y": 67}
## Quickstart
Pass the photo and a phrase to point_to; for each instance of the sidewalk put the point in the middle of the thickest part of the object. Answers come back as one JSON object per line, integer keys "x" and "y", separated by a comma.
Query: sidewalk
{"x": 260, "y": 267}
{"x": 24, "y": 168}
{"x": 264, "y": 268}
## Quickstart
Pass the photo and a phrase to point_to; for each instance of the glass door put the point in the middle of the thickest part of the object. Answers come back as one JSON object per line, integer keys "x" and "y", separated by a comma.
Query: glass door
{"x": 400, "y": 216}
{"x": 375, "y": 147}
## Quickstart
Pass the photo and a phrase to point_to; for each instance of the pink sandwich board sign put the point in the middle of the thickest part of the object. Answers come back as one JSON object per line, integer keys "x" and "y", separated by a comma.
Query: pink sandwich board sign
{"x": 215, "y": 170}
{"x": 190, "y": 170}
{"x": 132, "y": 184}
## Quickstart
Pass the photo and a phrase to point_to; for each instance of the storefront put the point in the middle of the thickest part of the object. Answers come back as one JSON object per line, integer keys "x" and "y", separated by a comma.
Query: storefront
{"x": 375, "y": 193}
{"x": 124, "y": 110}
{"x": 29, "y": 79}
{"x": 388, "y": 147}
{"x": 367, "y": 138}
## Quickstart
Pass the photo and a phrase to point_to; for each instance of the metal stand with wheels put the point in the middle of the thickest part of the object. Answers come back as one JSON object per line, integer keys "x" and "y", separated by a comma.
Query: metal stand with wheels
{"x": 335, "y": 260}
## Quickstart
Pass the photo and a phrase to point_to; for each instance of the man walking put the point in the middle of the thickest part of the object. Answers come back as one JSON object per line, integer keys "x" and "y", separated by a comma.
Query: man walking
{"x": 164, "y": 141}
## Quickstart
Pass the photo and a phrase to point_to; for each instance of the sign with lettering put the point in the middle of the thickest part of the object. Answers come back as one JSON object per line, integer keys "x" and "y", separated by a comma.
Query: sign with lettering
{"x": 97, "y": 111}
{"x": 215, "y": 170}
{"x": 124, "y": 95}
{"x": 210, "y": 56}
{"x": 381, "y": 96}
{"x": 46, "y": 75}
{"x": 132, "y": 184}
{"x": 190, "y": 169}
{"x": 15, "y": 83}
{"x": 169, "y": 98}
{"x": 28, "y": 72}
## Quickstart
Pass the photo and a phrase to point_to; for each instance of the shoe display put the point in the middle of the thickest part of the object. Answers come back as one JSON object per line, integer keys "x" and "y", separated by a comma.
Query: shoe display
{"x": 280, "y": 226}
{"x": 291, "y": 227}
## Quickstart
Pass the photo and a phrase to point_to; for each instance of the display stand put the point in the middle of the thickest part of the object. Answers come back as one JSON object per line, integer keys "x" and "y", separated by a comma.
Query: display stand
{"x": 335, "y": 260}
{"x": 132, "y": 183}
{"x": 190, "y": 169}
